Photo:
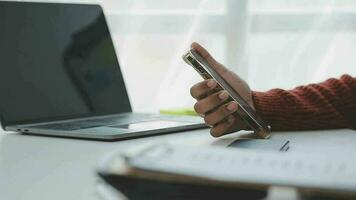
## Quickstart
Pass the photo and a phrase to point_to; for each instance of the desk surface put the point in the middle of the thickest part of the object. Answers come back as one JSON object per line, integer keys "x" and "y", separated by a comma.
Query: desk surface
{"x": 35, "y": 167}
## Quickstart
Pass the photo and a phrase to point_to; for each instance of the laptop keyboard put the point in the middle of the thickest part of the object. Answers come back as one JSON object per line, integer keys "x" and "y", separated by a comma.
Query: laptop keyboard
{"x": 69, "y": 126}
{"x": 90, "y": 123}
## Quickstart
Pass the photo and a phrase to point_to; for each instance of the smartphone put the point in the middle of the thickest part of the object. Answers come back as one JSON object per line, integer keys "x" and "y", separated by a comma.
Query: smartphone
{"x": 201, "y": 65}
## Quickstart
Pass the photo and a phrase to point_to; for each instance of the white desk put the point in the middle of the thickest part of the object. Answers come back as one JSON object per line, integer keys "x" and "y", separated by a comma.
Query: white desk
{"x": 34, "y": 167}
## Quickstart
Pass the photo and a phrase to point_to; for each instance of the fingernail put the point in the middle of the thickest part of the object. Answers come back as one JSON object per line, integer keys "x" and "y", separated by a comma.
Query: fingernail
{"x": 223, "y": 95}
{"x": 232, "y": 106}
{"x": 211, "y": 83}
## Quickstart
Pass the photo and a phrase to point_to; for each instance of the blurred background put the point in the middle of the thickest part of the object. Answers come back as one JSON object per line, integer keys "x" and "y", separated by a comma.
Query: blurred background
{"x": 269, "y": 43}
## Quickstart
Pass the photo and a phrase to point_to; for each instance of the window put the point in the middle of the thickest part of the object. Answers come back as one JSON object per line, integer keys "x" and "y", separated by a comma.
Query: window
{"x": 269, "y": 43}
{"x": 293, "y": 42}
{"x": 152, "y": 35}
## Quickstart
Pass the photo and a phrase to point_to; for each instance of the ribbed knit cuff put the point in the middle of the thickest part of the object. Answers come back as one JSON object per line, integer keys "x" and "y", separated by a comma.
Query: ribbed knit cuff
{"x": 266, "y": 103}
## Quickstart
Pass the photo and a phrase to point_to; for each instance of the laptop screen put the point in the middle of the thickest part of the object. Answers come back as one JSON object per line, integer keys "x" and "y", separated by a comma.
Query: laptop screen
{"x": 57, "y": 61}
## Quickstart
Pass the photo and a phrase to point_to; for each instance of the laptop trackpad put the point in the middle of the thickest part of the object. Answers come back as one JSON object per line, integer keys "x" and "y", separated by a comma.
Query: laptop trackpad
{"x": 151, "y": 125}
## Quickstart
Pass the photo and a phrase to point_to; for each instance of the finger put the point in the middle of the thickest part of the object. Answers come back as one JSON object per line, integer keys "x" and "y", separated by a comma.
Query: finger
{"x": 200, "y": 89}
{"x": 205, "y": 54}
{"x": 226, "y": 126}
{"x": 220, "y": 113}
{"x": 211, "y": 102}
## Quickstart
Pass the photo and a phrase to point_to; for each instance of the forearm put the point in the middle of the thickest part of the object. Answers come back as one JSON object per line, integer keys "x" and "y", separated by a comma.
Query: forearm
{"x": 327, "y": 105}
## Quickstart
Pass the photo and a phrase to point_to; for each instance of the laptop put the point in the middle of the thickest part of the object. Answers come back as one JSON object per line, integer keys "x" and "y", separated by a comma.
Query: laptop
{"x": 60, "y": 76}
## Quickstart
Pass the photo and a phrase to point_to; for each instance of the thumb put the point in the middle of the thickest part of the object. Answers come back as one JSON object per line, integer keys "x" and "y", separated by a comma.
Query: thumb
{"x": 219, "y": 68}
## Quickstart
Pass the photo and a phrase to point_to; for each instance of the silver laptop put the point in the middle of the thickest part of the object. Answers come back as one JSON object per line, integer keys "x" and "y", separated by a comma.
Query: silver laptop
{"x": 59, "y": 76}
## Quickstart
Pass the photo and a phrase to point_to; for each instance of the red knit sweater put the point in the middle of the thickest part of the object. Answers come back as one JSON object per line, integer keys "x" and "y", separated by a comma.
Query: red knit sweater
{"x": 327, "y": 105}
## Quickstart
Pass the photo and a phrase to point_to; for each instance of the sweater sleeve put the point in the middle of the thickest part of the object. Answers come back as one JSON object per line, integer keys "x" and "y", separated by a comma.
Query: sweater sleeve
{"x": 327, "y": 105}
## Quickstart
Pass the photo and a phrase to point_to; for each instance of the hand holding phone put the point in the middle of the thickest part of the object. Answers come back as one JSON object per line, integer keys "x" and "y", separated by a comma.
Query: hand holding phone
{"x": 207, "y": 71}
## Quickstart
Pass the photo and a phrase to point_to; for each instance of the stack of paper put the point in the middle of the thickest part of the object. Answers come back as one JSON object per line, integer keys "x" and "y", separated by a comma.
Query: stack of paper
{"x": 239, "y": 169}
